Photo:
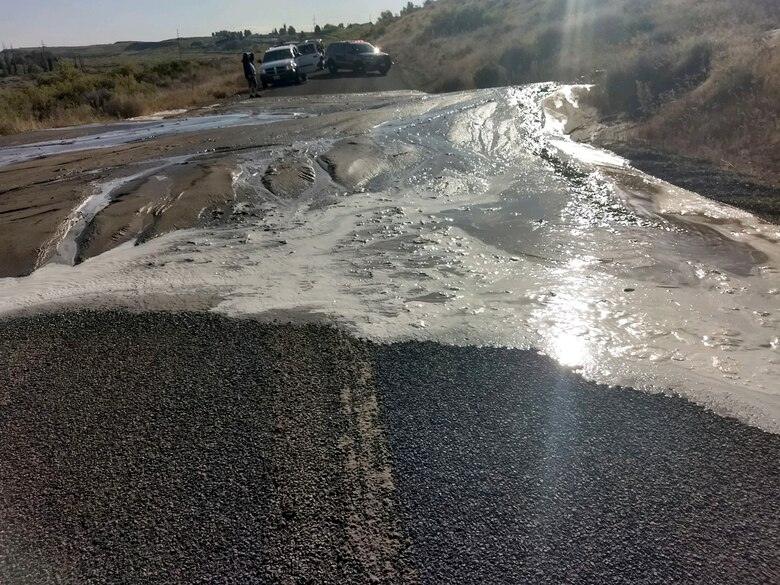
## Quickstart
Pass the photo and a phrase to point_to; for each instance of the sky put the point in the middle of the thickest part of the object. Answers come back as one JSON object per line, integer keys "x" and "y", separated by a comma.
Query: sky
{"x": 71, "y": 23}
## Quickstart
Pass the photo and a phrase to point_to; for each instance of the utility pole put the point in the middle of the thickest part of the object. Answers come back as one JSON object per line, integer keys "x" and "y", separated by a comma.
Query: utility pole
{"x": 178, "y": 43}
{"x": 43, "y": 57}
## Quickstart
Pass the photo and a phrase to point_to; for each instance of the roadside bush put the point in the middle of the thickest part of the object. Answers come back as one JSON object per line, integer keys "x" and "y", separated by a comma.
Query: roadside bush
{"x": 516, "y": 60}
{"x": 548, "y": 43}
{"x": 640, "y": 86}
{"x": 71, "y": 96}
{"x": 462, "y": 20}
{"x": 450, "y": 84}
{"x": 487, "y": 76}
{"x": 611, "y": 29}
{"x": 124, "y": 107}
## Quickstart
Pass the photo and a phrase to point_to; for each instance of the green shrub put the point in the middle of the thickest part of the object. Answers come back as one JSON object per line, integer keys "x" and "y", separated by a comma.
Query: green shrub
{"x": 457, "y": 21}
{"x": 122, "y": 93}
{"x": 516, "y": 60}
{"x": 487, "y": 76}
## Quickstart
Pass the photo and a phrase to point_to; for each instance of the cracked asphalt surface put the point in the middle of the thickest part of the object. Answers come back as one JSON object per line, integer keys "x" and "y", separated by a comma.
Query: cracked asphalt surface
{"x": 192, "y": 448}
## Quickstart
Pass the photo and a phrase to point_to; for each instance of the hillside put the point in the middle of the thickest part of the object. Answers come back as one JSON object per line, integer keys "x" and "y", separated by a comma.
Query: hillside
{"x": 692, "y": 77}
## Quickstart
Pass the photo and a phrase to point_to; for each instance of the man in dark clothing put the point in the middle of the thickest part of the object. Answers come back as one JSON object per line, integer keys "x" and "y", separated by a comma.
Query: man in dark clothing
{"x": 250, "y": 73}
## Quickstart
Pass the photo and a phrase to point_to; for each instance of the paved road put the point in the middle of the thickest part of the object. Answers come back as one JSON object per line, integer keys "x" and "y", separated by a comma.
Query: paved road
{"x": 184, "y": 448}
{"x": 513, "y": 470}
{"x": 323, "y": 83}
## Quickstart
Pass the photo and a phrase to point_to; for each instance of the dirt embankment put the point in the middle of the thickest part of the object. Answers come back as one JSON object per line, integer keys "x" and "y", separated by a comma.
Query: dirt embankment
{"x": 582, "y": 122}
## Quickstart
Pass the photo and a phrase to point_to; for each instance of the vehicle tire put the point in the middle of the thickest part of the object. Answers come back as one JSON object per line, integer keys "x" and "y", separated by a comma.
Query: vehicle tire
{"x": 360, "y": 68}
{"x": 332, "y": 68}
{"x": 264, "y": 84}
{"x": 384, "y": 68}
{"x": 298, "y": 78}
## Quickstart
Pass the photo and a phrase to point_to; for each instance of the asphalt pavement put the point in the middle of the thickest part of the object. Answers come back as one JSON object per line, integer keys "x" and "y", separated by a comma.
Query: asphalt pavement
{"x": 511, "y": 469}
{"x": 325, "y": 83}
{"x": 193, "y": 448}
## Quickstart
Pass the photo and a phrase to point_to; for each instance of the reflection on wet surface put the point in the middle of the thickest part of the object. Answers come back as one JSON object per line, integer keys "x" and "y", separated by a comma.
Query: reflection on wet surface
{"x": 466, "y": 220}
{"x": 100, "y": 136}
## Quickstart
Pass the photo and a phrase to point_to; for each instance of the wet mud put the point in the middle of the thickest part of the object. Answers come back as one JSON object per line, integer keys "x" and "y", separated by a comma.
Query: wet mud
{"x": 290, "y": 176}
{"x": 467, "y": 218}
{"x": 704, "y": 178}
{"x": 354, "y": 162}
{"x": 181, "y": 197}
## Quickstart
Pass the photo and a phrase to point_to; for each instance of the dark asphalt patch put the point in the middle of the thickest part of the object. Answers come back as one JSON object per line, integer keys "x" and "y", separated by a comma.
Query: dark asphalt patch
{"x": 184, "y": 448}
{"x": 512, "y": 470}
{"x": 187, "y": 448}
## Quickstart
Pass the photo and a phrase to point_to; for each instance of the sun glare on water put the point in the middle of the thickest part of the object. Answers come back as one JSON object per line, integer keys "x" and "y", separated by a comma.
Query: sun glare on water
{"x": 569, "y": 350}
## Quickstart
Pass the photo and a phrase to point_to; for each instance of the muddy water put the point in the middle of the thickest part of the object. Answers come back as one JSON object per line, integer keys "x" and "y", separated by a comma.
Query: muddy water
{"x": 469, "y": 219}
{"x": 99, "y": 136}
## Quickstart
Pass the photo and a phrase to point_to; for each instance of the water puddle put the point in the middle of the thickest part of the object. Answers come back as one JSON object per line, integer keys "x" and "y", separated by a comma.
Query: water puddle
{"x": 108, "y": 136}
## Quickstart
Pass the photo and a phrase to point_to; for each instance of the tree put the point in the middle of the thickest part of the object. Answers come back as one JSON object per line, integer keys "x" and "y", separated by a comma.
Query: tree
{"x": 386, "y": 16}
{"x": 317, "y": 29}
{"x": 408, "y": 9}
{"x": 283, "y": 31}
{"x": 247, "y": 33}
{"x": 291, "y": 30}
{"x": 487, "y": 76}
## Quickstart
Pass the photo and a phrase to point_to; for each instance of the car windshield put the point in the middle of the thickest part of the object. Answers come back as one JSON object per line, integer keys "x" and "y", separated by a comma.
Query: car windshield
{"x": 307, "y": 49}
{"x": 277, "y": 55}
{"x": 363, "y": 48}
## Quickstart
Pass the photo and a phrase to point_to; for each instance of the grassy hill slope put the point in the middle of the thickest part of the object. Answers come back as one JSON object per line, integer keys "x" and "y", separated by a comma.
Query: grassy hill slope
{"x": 690, "y": 76}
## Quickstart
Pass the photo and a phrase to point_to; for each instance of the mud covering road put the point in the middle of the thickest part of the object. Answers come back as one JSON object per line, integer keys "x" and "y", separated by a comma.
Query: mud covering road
{"x": 189, "y": 448}
{"x": 224, "y": 447}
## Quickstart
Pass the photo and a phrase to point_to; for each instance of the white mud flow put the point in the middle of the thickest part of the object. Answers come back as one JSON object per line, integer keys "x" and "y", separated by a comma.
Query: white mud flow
{"x": 106, "y": 136}
{"x": 479, "y": 222}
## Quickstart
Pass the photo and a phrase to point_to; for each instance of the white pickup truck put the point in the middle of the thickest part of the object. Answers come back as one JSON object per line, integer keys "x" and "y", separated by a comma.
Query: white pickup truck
{"x": 283, "y": 64}
{"x": 312, "y": 55}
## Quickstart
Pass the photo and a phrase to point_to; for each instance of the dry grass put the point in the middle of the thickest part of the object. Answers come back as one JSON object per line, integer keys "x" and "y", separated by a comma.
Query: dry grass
{"x": 71, "y": 97}
{"x": 700, "y": 77}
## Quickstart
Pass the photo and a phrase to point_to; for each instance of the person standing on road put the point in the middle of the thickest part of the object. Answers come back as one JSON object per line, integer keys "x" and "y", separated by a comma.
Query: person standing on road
{"x": 250, "y": 73}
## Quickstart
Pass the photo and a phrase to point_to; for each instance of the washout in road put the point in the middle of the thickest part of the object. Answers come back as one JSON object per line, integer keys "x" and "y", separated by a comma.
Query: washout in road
{"x": 447, "y": 224}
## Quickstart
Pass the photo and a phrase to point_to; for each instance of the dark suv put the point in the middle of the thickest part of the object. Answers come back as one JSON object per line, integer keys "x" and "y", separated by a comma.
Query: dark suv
{"x": 357, "y": 56}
